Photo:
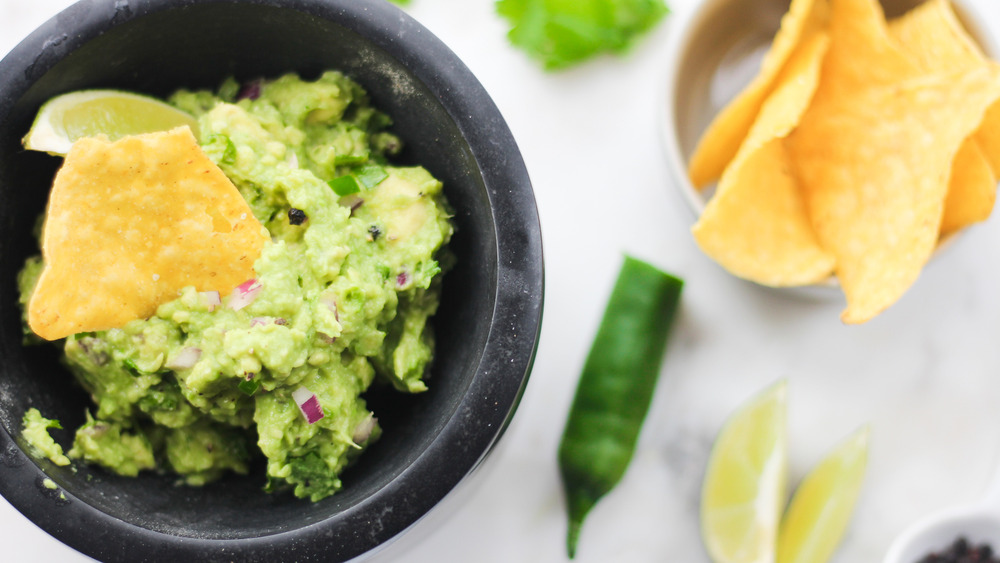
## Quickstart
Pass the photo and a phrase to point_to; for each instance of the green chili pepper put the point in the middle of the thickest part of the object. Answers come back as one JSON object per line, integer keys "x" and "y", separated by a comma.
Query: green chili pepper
{"x": 345, "y": 185}
{"x": 371, "y": 175}
{"x": 249, "y": 386}
{"x": 615, "y": 387}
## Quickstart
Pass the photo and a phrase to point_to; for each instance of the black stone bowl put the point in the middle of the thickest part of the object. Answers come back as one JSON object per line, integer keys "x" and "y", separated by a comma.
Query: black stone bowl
{"x": 487, "y": 327}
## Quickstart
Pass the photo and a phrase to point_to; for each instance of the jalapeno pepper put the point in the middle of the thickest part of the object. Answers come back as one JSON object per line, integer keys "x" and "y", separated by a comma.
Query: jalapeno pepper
{"x": 615, "y": 387}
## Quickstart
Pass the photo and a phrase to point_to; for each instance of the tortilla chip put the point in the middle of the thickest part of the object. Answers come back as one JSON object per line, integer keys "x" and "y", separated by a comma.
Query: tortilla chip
{"x": 988, "y": 138}
{"x": 721, "y": 141}
{"x": 972, "y": 189}
{"x": 129, "y": 224}
{"x": 756, "y": 224}
{"x": 932, "y": 35}
{"x": 877, "y": 210}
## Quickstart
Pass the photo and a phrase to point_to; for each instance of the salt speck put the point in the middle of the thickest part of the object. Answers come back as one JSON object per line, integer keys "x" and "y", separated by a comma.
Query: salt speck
{"x": 156, "y": 277}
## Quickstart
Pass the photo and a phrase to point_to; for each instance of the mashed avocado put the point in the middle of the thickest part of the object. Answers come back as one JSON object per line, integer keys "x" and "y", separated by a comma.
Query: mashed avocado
{"x": 342, "y": 298}
{"x": 36, "y": 432}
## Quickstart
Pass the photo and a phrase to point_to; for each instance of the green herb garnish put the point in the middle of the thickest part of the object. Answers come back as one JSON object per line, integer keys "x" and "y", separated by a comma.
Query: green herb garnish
{"x": 560, "y": 33}
{"x": 229, "y": 155}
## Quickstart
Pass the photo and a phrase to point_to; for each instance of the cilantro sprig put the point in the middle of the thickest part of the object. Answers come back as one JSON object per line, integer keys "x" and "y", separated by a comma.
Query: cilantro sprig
{"x": 560, "y": 33}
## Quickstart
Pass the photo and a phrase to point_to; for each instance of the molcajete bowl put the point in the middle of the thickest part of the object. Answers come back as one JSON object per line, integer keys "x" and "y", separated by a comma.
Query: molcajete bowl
{"x": 486, "y": 328}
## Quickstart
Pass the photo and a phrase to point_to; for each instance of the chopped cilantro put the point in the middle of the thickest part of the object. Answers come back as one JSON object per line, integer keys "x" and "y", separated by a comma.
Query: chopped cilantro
{"x": 129, "y": 365}
{"x": 229, "y": 148}
{"x": 560, "y": 33}
{"x": 229, "y": 155}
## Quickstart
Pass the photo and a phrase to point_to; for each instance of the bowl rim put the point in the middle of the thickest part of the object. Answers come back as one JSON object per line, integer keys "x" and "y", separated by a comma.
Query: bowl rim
{"x": 685, "y": 24}
{"x": 504, "y": 363}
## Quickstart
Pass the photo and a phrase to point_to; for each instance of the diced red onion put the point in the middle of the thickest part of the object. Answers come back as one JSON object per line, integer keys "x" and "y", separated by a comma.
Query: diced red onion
{"x": 331, "y": 304}
{"x": 261, "y": 321}
{"x": 187, "y": 358}
{"x": 250, "y": 90}
{"x": 97, "y": 430}
{"x": 99, "y": 357}
{"x": 364, "y": 429}
{"x": 353, "y": 201}
{"x": 402, "y": 279}
{"x": 244, "y": 294}
{"x": 308, "y": 404}
{"x": 212, "y": 298}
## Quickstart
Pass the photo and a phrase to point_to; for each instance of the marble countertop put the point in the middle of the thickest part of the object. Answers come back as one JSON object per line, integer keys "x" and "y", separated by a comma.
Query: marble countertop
{"x": 925, "y": 375}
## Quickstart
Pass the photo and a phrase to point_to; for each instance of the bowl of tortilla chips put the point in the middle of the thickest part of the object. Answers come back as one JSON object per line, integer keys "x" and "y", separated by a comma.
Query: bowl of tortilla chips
{"x": 832, "y": 143}
{"x": 486, "y": 327}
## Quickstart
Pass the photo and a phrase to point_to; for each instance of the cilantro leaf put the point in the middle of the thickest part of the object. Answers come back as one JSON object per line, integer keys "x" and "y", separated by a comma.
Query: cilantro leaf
{"x": 560, "y": 33}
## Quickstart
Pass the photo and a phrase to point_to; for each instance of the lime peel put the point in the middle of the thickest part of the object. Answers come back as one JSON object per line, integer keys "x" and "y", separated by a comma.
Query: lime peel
{"x": 821, "y": 509}
{"x": 743, "y": 495}
{"x": 112, "y": 113}
{"x": 744, "y": 489}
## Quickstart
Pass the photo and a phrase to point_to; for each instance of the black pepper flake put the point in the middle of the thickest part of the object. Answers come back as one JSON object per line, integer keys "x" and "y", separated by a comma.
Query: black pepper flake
{"x": 374, "y": 231}
{"x": 296, "y": 216}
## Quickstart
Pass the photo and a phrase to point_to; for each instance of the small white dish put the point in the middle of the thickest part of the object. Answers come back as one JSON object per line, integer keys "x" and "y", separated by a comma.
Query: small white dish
{"x": 978, "y": 522}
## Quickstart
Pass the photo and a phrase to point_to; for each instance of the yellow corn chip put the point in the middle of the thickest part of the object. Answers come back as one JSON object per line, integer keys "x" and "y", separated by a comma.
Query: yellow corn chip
{"x": 721, "y": 141}
{"x": 874, "y": 151}
{"x": 988, "y": 138}
{"x": 129, "y": 224}
{"x": 972, "y": 189}
{"x": 933, "y": 36}
{"x": 756, "y": 224}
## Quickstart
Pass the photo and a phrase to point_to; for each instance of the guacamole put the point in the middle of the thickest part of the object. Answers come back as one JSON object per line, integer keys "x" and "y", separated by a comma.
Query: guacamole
{"x": 342, "y": 299}
{"x": 36, "y": 432}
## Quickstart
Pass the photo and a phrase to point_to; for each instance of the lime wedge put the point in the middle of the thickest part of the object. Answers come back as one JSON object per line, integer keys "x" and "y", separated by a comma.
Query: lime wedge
{"x": 88, "y": 113}
{"x": 744, "y": 489}
{"x": 821, "y": 508}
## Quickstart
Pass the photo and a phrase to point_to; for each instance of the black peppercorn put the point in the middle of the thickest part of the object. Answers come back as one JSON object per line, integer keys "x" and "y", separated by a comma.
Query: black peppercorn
{"x": 962, "y": 551}
{"x": 296, "y": 216}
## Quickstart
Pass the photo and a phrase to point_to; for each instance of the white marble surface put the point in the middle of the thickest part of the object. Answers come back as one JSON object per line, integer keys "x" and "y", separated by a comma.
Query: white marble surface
{"x": 925, "y": 375}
